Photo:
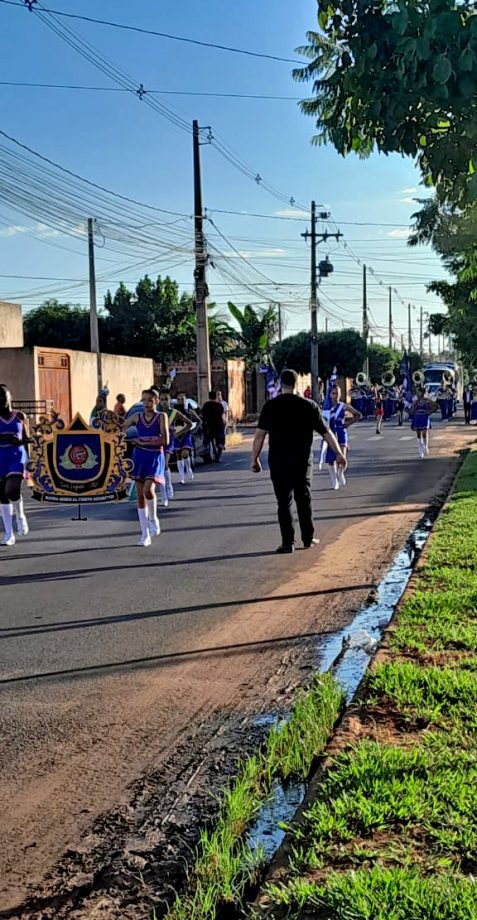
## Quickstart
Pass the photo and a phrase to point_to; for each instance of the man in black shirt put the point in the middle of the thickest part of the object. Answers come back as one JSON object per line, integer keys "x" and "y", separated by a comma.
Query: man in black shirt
{"x": 290, "y": 422}
{"x": 213, "y": 419}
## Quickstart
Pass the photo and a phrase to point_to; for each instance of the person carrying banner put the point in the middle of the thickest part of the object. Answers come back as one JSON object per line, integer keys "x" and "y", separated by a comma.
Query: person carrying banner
{"x": 341, "y": 416}
{"x": 148, "y": 457}
{"x": 13, "y": 436}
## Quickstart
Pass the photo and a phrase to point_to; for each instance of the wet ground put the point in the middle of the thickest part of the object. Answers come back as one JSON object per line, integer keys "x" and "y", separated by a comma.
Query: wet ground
{"x": 131, "y": 681}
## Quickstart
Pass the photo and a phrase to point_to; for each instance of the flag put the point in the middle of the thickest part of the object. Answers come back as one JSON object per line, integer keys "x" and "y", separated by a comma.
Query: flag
{"x": 406, "y": 379}
{"x": 331, "y": 383}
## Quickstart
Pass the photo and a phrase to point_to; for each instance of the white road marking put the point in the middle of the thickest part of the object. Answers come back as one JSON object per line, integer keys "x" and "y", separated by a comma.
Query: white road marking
{"x": 407, "y": 437}
{"x": 375, "y": 437}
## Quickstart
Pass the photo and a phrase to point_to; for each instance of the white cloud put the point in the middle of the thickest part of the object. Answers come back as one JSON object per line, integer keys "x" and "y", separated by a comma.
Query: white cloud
{"x": 13, "y": 230}
{"x": 407, "y": 201}
{"x": 399, "y": 234}
{"x": 291, "y": 212}
{"x": 254, "y": 254}
{"x": 45, "y": 232}
{"x": 408, "y": 191}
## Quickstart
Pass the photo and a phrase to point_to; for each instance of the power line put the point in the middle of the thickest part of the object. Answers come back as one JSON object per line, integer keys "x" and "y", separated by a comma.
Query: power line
{"x": 155, "y": 92}
{"x": 168, "y": 35}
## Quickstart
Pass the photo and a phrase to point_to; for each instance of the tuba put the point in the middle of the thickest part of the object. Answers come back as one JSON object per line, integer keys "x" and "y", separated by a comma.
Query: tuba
{"x": 361, "y": 379}
{"x": 418, "y": 378}
{"x": 388, "y": 379}
{"x": 448, "y": 378}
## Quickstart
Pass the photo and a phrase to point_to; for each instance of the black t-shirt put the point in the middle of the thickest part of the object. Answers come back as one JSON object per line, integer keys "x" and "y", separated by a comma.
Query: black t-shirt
{"x": 290, "y": 421}
{"x": 213, "y": 415}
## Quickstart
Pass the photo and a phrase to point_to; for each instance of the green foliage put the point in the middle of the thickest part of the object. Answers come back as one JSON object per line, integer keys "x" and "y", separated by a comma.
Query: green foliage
{"x": 57, "y": 325}
{"x": 398, "y": 77}
{"x": 438, "y": 324}
{"x": 257, "y": 329}
{"x": 344, "y": 350}
{"x": 381, "y": 360}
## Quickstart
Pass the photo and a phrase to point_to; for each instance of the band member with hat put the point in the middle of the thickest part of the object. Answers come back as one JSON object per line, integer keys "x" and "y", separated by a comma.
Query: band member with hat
{"x": 13, "y": 437}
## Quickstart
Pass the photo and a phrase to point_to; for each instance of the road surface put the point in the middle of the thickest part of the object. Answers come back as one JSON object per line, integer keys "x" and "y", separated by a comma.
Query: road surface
{"x": 111, "y": 653}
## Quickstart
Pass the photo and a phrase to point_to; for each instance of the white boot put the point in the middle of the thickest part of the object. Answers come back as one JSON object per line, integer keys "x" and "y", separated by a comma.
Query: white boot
{"x": 145, "y": 535}
{"x": 169, "y": 489}
{"x": 341, "y": 477}
{"x": 334, "y": 481}
{"x": 22, "y": 523}
{"x": 181, "y": 470}
{"x": 164, "y": 498}
{"x": 420, "y": 447}
{"x": 154, "y": 525}
{"x": 7, "y": 517}
{"x": 322, "y": 455}
{"x": 189, "y": 470}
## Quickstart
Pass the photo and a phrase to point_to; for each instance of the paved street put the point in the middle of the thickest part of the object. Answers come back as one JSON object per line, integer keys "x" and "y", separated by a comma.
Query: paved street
{"x": 109, "y": 652}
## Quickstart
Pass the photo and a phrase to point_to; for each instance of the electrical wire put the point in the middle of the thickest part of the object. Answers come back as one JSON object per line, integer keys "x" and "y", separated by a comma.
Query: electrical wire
{"x": 154, "y": 92}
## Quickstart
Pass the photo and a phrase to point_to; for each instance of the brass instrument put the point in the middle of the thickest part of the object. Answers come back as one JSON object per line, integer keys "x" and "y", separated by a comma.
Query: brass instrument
{"x": 418, "y": 378}
{"x": 388, "y": 379}
{"x": 361, "y": 379}
{"x": 448, "y": 378}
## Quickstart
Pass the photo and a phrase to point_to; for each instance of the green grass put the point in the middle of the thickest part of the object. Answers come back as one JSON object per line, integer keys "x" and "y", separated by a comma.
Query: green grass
{"x": 392, "y": 834}
{"x": 225, "y": 865}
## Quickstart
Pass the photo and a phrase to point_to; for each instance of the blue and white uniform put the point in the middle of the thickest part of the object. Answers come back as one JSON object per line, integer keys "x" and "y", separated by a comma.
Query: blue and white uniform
{"x": 186, "y": 442}
{"x": 473, "y": 410}
{"x": 421, "y": 420}
{"x": 12, "y": 456}
{"x": 148, "y": 462}
{"x": 337, "y": 426}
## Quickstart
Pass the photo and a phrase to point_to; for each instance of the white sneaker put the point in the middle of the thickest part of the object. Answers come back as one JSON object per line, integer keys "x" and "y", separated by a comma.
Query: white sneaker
{"x": 336, "y": 486}
{"x": 154, "y": 527}
{"x": 170, "y": 494}
{"x": 22, "y": 527}
{"x": 8, "y": 541}
{"x": 190, "y": 476}
{"x": 145, "y": 541}
{"x": 182, "y": 482}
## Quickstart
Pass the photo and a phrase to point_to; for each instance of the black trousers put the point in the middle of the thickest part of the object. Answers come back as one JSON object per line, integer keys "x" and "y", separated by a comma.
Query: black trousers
{"x": 467, "y": 407}
{"x": 290, "y": 482}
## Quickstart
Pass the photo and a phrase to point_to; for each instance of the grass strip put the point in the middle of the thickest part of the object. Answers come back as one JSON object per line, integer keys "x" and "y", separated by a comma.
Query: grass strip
{"x": 392, "y": 834}
{"x": 225, "y": 865}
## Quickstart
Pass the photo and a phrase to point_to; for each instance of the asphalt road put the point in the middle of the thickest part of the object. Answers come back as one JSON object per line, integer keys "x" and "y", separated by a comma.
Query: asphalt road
{"x": 95, "y": 679}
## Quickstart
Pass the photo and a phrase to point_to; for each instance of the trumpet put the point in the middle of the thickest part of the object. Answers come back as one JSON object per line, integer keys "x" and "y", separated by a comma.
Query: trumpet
{"x": 361, "y": 379}
{"x": 418, "y": 378}
{"x": 388, "y": 379}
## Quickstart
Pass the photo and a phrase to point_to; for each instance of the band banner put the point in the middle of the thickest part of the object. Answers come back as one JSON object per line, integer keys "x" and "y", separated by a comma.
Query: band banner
{"x": 79, "y": 462}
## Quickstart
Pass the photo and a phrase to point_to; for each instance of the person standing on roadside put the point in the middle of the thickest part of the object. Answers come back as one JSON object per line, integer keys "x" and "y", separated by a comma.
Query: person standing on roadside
{"x": 213, "y": 420}
{"x": 290, "y": 422}
{"x": 467, "y": 398}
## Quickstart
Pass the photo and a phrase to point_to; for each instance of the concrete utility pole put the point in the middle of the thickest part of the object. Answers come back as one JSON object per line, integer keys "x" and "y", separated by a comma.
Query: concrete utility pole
{"x": 280, "y": 330}
{"x": 315, "y": 239}
{"x": 421, "y": 334}
{"x": 201, "y": 289}
{"x": 326, "y": 324}
{"x": 409, "y": 330}
{"x": 93, "y": 310}
{"x": 390, "y": 318}
{"x": 365, "y": 321}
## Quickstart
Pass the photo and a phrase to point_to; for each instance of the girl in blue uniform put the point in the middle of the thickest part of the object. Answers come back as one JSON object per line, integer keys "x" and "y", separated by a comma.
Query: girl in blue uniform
{"x": 174, "y": 417}
{"x": 342, "y": 415}
{"x": 421, "y": 412}
{"x": 13, "y": 436}
{"x": 183, "y": 441}
{"x": 148, "y": 458}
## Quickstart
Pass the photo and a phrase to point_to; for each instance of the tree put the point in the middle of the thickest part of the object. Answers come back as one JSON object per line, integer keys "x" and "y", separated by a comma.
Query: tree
{"x": 398, "y": 76}
{"x": 381, "y": 361}
{"x": 438, "y": 324}
{"x": 344, "y": 349}
{"x": 257, "y": 329}
{"x": 57, "y": 325}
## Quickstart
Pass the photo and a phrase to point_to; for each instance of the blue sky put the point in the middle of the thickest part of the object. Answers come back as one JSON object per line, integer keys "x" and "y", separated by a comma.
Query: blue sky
{"x": 119, "y": 142}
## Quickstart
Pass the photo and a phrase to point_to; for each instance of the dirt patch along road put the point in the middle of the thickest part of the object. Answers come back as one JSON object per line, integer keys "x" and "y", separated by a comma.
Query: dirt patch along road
{"x": 113, "y": 658}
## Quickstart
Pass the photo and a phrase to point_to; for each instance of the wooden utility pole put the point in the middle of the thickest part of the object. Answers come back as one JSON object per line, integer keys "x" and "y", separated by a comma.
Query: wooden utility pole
{"x": 314, "y": 304}
{"x": 409, "y": 329}
{"x": 365, "y": 322}
{"x": 390, "y": 318}
{"x": 421, "y": 334}
{"x": 280, "y": 329}
{"x": 201, "y": 289}
{"x": 93, "y": 310}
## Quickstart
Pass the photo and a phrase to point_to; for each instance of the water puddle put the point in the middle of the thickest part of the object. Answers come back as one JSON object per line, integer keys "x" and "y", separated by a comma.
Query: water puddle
{"x": 346, "y": 653}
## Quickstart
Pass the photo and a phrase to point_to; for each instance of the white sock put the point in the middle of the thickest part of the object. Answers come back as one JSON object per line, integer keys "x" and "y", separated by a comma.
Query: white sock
{"x": 188, "y": 466}
{"x": 151, "y": 505}
{"x": 341, "y": 477}
{"x": 334, "y": 482}
{"x": 164, "y": 498}
{"x": 142, "y": 515}
{"x": 22, "y": 523}
{"x": 7, "y": 517}
{"x": 420, "y": 446}
{"x": 169, "y": 489}
{"x": 181, "y": 469}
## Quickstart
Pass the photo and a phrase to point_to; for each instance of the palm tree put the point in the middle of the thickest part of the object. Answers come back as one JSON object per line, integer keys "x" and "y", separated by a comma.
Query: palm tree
{"x": 257, "y": 329}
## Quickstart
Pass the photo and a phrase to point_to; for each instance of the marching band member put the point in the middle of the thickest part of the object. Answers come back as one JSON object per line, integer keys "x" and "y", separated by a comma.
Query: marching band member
{"x": 378, "y": 409}
{"x": 400, "y": 406}
{"x": 173, "y": 416}
{"x": 421, "y": 411}
{"x": 341, "y": 416}
{"x": 148, "y": 458}
{"x": 183, "y": 443}
{"x": 13, "y": 436}
{"x": 473, "y": 407}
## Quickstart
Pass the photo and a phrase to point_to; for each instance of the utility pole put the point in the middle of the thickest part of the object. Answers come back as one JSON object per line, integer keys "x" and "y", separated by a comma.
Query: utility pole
{"x": 390, "y": 318}
{"x": 421, "y": 334}
{"x": 365, "y": 321}
{"x": 409, "y": 330}
{"x": 402, "y": 342}
{"x": 280, "y": 330}
{"x": 93, "y": 310}
{"x": 326, "y": 324}
{"x": 201, "y": 289}
{"x": 315, "y": 239}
